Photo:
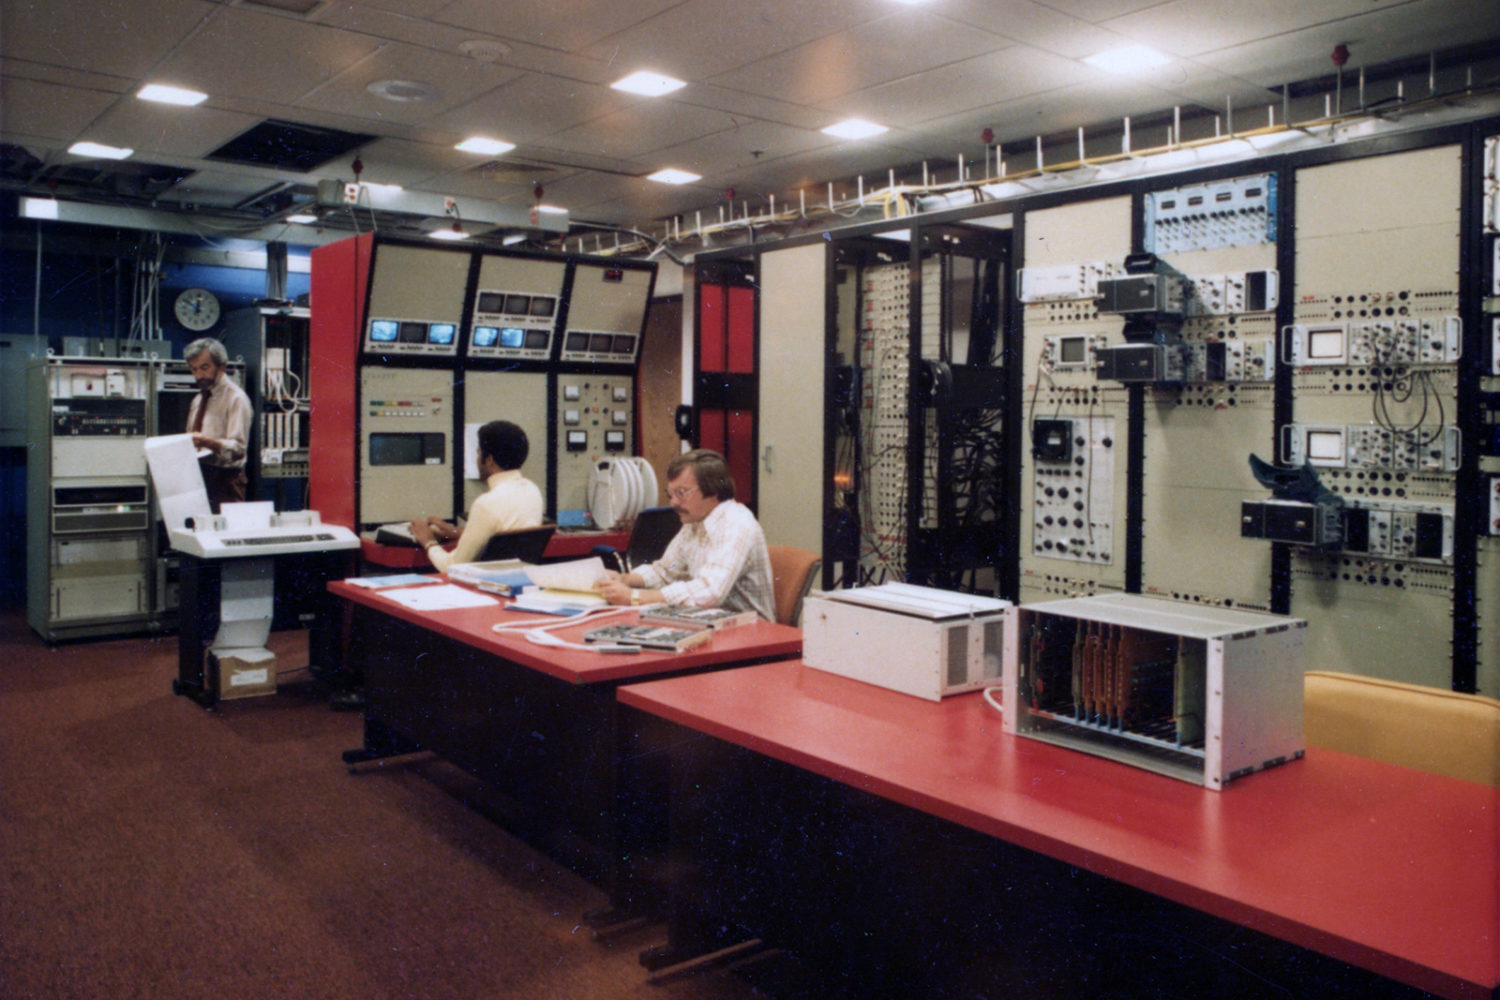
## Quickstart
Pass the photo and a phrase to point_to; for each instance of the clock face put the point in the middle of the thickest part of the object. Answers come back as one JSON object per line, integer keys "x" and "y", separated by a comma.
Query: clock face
{"x": 197, "y": 309}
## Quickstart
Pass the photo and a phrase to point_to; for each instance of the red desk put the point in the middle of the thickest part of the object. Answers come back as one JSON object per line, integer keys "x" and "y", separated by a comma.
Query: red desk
{"x": 540, "y": 724}
{"x": 562, "y": 545}
{"x": 1378, "y": 866}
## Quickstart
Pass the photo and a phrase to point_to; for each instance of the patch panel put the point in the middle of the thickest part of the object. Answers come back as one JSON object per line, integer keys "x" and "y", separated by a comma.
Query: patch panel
{"x": 1231, "y": 213}
{"x": 1073, "y": 488}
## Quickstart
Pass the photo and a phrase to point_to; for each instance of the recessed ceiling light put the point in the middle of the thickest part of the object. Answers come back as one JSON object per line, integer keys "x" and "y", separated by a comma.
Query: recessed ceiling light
{"x": 489, "y": 147}
{"x": 448, "y": 234}
{"x": 1129, "y": 59}
{"x": 383, "y": 188}
{"x": 513, "y": 239}
{"x": 648, "y": 84}
{"x": 671, "y": 175}
{"x": 552, "y": 209}
{"x": 164, "y": 94}
{"x": 99, "y": 151}
{"x": 38, "y": 208}
{"x": 854, "y": 128}
{"x": 403, "y": 91}
{"x": 302, "y": 218}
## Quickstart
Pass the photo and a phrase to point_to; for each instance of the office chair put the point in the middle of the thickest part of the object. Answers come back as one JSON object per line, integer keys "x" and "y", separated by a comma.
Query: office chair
{"x": 525, "y": 544}
{"x": 654, "y": 528}
{"x": 792, "y": 571}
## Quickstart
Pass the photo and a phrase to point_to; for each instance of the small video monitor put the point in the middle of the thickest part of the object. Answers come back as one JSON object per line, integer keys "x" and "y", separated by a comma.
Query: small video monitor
{"x": 441, "y": 334}
{"x": 412, "y": 332}
{"x": 485, "y": 336}
{"x": 1072, "y": 351}
{"x": 518, "y": 305}
{"x": 577, "y": 342}
{"x": 600, "y": 343}
{"x": 543, "y": 305}
{"x": 491, "y": 302}
{"x": 1325, "y": 447}
{"x": 624, "y": 344}
{"x": 1325, "y": 343}
{"x": 536, "y": 340}
{"x": 383, "y": 331}
{"x": 512, "y": 337}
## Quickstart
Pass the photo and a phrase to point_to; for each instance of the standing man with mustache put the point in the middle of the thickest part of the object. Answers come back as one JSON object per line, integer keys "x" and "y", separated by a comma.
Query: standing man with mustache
{"x": 219, "y": 421}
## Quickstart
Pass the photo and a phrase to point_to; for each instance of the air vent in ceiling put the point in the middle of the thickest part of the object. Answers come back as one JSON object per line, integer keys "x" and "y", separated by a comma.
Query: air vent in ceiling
{"x": 302, "y": 7}
{"x": 288, "y": 145}
{"x": 513, "y": 171}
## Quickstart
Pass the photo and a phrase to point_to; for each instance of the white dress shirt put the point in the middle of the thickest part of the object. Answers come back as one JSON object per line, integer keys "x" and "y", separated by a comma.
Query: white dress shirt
{"x": 718, "y": 562}
{"x": 226, "y": 420}
{"x": 513, "y": 502}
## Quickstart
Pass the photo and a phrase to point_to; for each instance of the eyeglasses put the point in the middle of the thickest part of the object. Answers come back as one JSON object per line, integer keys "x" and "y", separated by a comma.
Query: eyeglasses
{"x": 682, "y": 492}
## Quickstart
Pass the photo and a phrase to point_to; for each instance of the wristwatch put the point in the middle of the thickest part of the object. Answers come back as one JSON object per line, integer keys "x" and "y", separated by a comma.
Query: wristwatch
{"x": 635, "y": 597}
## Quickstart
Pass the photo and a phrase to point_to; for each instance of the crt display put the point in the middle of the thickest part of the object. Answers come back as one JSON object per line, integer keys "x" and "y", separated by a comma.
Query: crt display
{"x": 536, "y": 340}
{"x": 1071, "y": 350}
{"x": 412, "y": 332}
{"x": 405, "y": 448}
{"x": 441, "y": 333}
{"x": 578, "y": 342}
{"x": 383, "y": 331}
{"x": 543, "y": 305}
{"x": 518, "y": 305}
{"x": 600, "y": 343}
{"x": 485, "y": 336}
{"x": 624, "y": 344}
{"x": 491, "y": 302}
{"x": 512, "y": 336}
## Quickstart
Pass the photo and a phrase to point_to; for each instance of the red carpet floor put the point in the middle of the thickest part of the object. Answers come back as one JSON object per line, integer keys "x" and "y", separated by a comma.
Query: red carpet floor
{"x": 151, "y": 849}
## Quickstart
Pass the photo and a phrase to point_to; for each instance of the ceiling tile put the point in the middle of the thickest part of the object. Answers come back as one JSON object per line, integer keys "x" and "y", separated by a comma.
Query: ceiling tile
{"x": 121, "y": 37}
{"x": 745, "y": 147}
{"x": 1194, "y": 27}
{"x": 873, "y": 53}
{"x": 533, "y": 107}
{"x": 636, "y": 131}
{"x": 275, "y": 58}
{"x": 569, "y": 27}
{"x": 704, "y": 37}
{"x": 986, "y": 80}
{"x": 46, "y": 109}
{"x": 1045, "y": 26}
{"x": 455, "y": 79}
{"x": 172, "y": 131}
{"x": 738, "y": 104}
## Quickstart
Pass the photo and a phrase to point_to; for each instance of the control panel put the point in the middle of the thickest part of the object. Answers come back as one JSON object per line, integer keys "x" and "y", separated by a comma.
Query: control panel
{"x": 1073, "y": 491}
{"x": 595, "y": 421}
{"x": 516, "y": 308}
{"x": 606, "y": 314}
{"x": 416, "y": 302}
{"x": 405, "y": 448}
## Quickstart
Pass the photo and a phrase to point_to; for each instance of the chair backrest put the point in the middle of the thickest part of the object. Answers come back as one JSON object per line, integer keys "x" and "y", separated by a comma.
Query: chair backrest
{"x": 791, "y": 578}
{"x": 1427, "y": 728}
{"x": 654, "y": 528}
{"x": 525, "y": 544}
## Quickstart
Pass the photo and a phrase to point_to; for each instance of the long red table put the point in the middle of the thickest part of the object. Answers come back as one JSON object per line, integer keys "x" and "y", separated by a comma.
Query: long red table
{"x": 1378, "y": 866}
{"x": 540, "y": 724}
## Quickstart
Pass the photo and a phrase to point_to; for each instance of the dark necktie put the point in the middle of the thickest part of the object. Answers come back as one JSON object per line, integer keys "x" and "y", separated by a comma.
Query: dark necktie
{"x": 203, "y": 395}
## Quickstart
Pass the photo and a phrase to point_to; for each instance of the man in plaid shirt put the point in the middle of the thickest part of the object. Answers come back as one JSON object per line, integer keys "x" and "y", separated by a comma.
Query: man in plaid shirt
{"x": 717, "y": 560}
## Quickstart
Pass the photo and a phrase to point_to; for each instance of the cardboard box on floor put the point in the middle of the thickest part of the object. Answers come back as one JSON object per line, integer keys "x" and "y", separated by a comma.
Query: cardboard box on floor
{"x": 244, "y": 673}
